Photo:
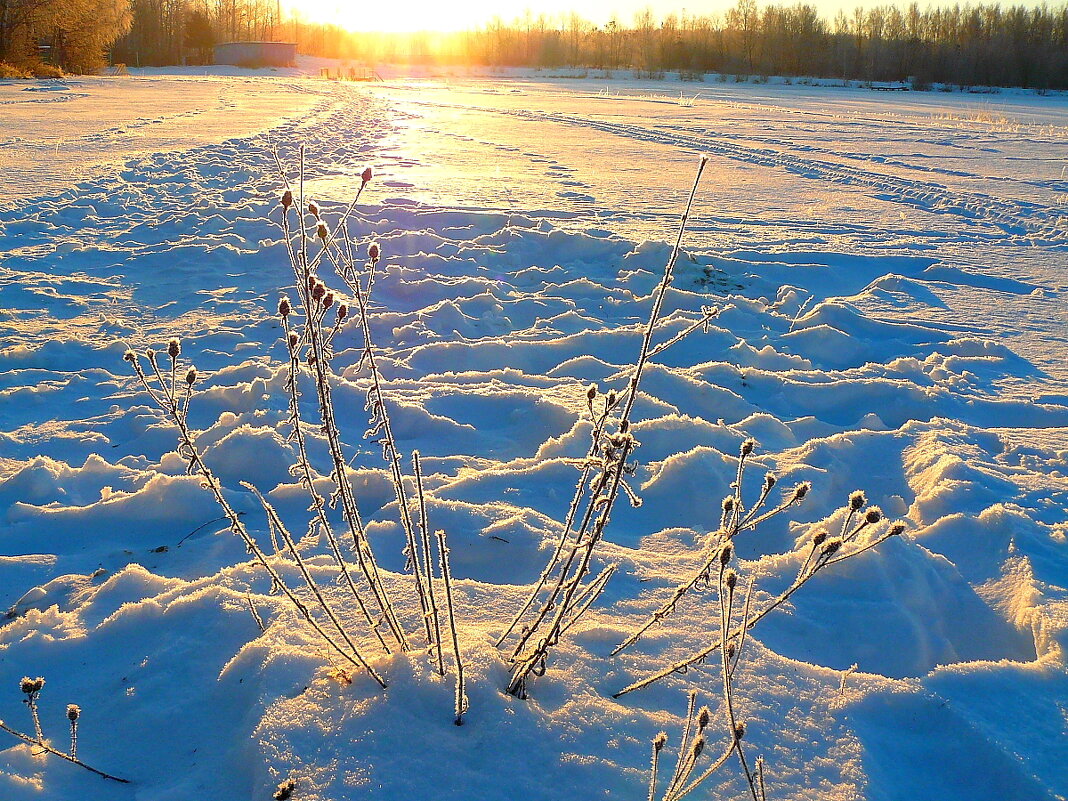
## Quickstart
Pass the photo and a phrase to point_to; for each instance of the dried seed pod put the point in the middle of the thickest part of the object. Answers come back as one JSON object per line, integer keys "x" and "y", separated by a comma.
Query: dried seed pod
{"x": 283, "y": 307}
{"x": 293, "y": 340}
{"x": 896, "y": 530}
{"x": 801, "y": 490}
{"x": 322, "y": 231}
{"x": 819, "y": 537}
{"x": 747, "y": 447}
{"x": 612, "y": 397}
{"x": 73, "y": 712}
{"x": 873, "y": 515}
{"x": 698, "y": 746}
{"x": 703, "y": 717}
{"x": 342, "y": 311}
{"x": 191, "y": 376}
{"x": 731, "y": 579}
{"x": 769, "y": 481}
{"x": 328, "y": 300}
{"x": 857, "y": 500}
{"x": 374, "y": 252}
{"x": 831, "y": 547}
{"x": 659, "y": 741}
{"x": 366, "y": 175}
{"x": 313, "y": 209}
{"x": 725, "y": 554}
{"x": 591, "y": 392}
{"x": 129, "y": 356}
{"x": 287, "y": 199}
{"x": 739, "y": 730}
{"x": 26, "y": 684}
{"x": 728, "y": 504}
{"x": 319, "y": 290}
{"x": 174, "y": 347}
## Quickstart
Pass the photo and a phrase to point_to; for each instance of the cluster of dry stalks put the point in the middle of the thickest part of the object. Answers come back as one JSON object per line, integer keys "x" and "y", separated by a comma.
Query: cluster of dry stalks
{"x": 564, "y": 592}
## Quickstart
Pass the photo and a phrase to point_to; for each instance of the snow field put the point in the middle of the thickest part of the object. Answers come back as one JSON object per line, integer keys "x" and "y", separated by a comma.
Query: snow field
{"x": 854, "y": 367}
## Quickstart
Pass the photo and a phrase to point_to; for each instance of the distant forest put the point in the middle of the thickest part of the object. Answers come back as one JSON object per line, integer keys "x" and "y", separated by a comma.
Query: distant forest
{"x": 974, "y": 45}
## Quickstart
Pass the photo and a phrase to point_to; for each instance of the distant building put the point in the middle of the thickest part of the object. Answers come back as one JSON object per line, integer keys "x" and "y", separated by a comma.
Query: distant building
{"x": 256, "y": 54}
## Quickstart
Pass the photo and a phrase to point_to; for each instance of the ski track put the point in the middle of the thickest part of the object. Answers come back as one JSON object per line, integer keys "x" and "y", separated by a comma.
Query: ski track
{"x": 490, "y": 326}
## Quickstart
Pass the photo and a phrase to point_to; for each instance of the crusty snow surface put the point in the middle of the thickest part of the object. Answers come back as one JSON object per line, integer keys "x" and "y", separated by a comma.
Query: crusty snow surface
{"x": 891, "y": 276}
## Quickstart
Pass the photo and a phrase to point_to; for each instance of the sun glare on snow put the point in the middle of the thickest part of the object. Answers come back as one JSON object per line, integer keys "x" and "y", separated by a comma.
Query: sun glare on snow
{"x": 399, "y": 17}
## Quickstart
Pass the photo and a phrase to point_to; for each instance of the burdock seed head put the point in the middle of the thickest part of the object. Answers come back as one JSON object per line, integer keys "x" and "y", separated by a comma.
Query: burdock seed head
{"x": 374, "y": 252}
{"x": 731, "y": 579}
{"x": 367, "y": 174}
{"x": 747, "y": 447}
{"x": 873, "y": 515}
{"x": 801, "y": 490}
{"x": 703, "y": 716}
{"x": 659, "y": 741}
{"x": 174, "y": 347}
{"x": 725, "y": 554}
{"x": 287, "y": 199}
{"x": 73, "y": 712}
{"x": 857, "y": 500}
{"x": 819, "y": 537}
{"x": 283, "y": 306}
{"x": 191, "y": 376}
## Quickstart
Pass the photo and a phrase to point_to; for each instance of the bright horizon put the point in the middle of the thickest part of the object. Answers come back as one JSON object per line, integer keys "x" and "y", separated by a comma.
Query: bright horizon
{"x": 436, "y": 16}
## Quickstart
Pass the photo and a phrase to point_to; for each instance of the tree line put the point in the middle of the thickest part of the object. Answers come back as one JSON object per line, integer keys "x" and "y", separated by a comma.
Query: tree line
{"x": 970, "y": 45}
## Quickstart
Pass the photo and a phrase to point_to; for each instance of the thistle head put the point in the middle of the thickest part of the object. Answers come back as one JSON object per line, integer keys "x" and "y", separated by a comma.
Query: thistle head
{"x": 612, "y": 397}
{"x": 769, "y": 481}
{"x": 731, "y": 579}
{"x": 328, "y": 300}
{"x": 739, "y": 730}
{"x": 725, "y": 554}
{"x": 591, "y": 392}
{"x": 857, "y": 500}
{"x": 319, "y": 290}
{"x": 293, "y": 340}
{"x": 374, "y": 252}
{"x": 830, "y": 547}
{"x": 73, "y": 712}
{"x": 747, "y": 447}
{"x": 191, "y": 376}
{"x": 659, "y": 741}
{"x": 287, "y": 199}
{"x": 703, "y": 716}
{"x": 342, "y": 311}
{"x": 129, "y": 356}
{"x": 31, "y": 686}
{"x": 873, "y": 515}
{"x": 174, "y": 347}
{"x": 728, "y": 504}
{"x": 698, "y": 746}
{"x": 801, "y": 490}
{"x": 819, "y": 537}
{"x": 284, "y": 308}
{"x": 366, "y": 175}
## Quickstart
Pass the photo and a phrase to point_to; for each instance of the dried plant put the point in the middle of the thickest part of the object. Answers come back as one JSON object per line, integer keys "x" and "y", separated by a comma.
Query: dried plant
{"x": 31, "y": 688}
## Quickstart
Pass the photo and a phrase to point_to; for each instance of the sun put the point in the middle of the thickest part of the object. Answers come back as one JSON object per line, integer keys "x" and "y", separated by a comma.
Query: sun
{"x": 407, "y": 16}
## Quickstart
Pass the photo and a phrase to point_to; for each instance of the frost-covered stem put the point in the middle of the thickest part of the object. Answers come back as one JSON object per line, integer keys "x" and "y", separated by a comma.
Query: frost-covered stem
{"x": 691, "y": 704}
{"x": 707, "y": 315}
{"x": 313, "y": 586}
{"x": 689, "y": 788}
{"x": 605, "y": 478}
{"x": 365, "y": 557}
{"x": 450, "y": 610}
{"x": 380, "y": 417}
{"x": 569, "y": 522}
{"x": 40, "y": 743}
{"x": 210, "y": 482}
{"x": 584, "y": 600}
{"x": 318, "y": 503}
{"x": 424, "y": 539}
{"x": 667, "y": 608}
{"x": 31, "y": 702}
{"x": 726, "y": 604}
{"x": 658, "y": 746}
{"x": 74, "y": 739}
{"x": 255, "y": 613}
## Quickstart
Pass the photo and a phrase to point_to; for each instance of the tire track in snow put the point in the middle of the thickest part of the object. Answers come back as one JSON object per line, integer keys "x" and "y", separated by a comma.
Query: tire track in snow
{"x": 1036, "y": 220}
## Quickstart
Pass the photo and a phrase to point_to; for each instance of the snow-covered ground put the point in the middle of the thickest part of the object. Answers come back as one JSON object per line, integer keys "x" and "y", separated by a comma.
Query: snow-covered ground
{"x": 891, "y": 274}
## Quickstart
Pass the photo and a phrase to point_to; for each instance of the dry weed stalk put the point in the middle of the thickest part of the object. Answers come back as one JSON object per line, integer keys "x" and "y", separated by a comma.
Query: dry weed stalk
{"x": 605, "y": 469}
{"x": 32, "y": 690}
